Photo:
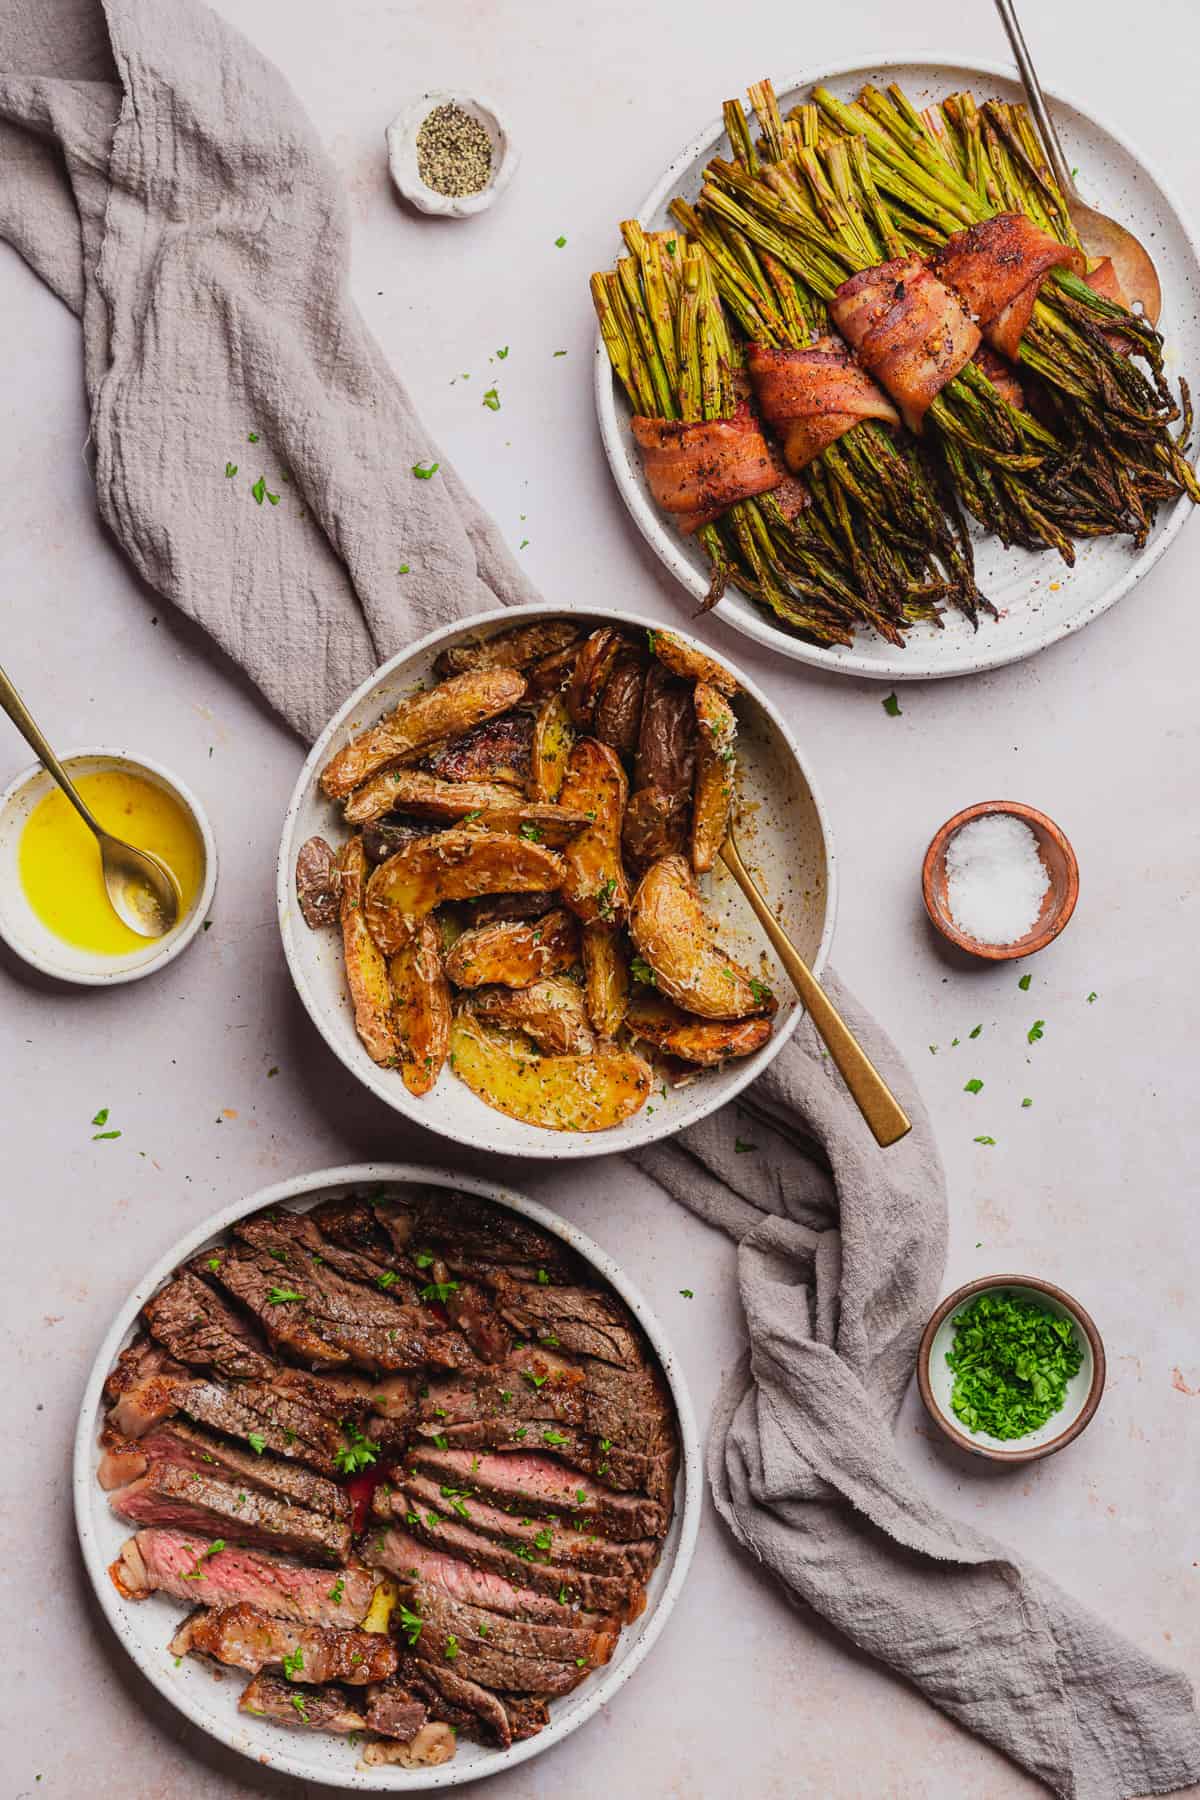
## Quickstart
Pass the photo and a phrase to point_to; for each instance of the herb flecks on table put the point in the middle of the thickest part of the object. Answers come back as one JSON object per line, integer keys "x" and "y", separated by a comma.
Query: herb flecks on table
{"x": 1012, "y": 1359}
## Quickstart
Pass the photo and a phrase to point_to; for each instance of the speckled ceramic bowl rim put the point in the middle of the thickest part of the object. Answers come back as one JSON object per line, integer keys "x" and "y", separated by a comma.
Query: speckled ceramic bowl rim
{"x": 1032, "y": 942}
{"x": 663, "y": 542}
{"x": 560, "y": 1146}
{"x": 102, "y": 975}
{"x": 690, "y": 1473}
{"x": 1082, "y": 1318}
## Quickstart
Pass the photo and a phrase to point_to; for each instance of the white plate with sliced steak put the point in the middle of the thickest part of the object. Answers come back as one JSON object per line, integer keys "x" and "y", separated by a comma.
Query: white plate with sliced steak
{"x": 386, "y": 1477}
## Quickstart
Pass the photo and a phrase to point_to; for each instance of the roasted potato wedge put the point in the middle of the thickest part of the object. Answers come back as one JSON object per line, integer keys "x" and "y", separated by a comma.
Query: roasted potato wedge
{"x": 514, "y": 952}
{"x": 383, "y": 840}
{"x": 366, "y": 969}
{"x": 452, "y": 865}
{"x": 317, "y": 885}
{"x": 560, "y": 1093}
{"x": 668, "y": 925}
{"x": 552, "y": 673}
{"x": 712, "y": 795}
{"x": 619, "y": 708}
{"x": 489, "y": 909}
{"x": 593, "y": 665}
{"x": 515, "y": 649}
{"x": 703, "y": 1041}
{"x": 594, "y": 884}
{"x": 550, "y": 1012}
{"x": 498, "y": 750}
{"x": 424, "y": 795}
{"x": 553, "y": 735}
{"x": 606, "y": 979}
{"x": 422, "y": 1008}
{"x": 693, "y": 665}
{"x": 453, "y": 706}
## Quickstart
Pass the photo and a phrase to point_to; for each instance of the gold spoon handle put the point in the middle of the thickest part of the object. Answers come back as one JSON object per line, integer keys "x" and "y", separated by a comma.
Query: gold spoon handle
{"x": 23, "y": 719}
{"x": 1036, "y": 98}
{"x": 872, "y": 1095}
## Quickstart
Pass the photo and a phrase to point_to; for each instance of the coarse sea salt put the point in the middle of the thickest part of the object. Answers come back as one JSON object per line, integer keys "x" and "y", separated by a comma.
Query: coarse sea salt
{"x": 995, "y": 879}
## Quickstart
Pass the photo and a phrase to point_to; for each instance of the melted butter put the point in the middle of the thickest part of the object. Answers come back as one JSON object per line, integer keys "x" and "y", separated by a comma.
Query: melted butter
{"x": 59, "y": 858}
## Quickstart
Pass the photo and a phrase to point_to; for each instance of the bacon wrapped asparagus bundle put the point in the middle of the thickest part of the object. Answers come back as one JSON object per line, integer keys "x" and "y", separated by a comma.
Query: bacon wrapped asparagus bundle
{"x": 900, "y": 527}
{"x": 813, "y": 202}
{"x": 974, "y": 182}
{"x": 707, "y": 463}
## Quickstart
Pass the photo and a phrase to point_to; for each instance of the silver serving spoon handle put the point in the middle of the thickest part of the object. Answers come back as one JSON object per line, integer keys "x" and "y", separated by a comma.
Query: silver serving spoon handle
{"x": 1099, "y": 235}
{"x": 142, "y": 889}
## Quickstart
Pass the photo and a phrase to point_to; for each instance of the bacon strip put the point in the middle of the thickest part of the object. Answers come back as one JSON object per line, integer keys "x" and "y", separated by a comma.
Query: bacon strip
{"x": 908, "y": 329}
{"x": 696, "y": 470}
{"x": 998, "y": 267}
{"x": 812, "y": 397}
{"x": 1002, "y": 376}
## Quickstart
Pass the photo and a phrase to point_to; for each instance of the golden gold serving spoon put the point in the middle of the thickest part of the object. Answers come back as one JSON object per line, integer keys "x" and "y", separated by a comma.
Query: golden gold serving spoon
{"x": 141, "y": 888}
{"x": 874, "y": 1098}
{"x": 1099, "y": 235}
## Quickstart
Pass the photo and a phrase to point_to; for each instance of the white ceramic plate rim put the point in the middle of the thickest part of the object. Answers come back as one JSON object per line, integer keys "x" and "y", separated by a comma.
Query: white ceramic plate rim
{"x": 560, "y": 1146}
{"x": 664, "y": 543}
{"x": 104, "y": 974}
{"x": 389, "y": 1778}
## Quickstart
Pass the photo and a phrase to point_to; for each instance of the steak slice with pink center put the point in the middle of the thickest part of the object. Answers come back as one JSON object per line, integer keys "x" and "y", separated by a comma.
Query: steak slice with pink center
{"x": 548, "y": 1538}
{"x": 406, "y": 1557}
{"x": 165, "y": 1562}
{"x": 524, "y": 1478}
{"x": 513, "y": 1637}
{"x": 168, "y": 1494}
{"x": 174, "y": 1441}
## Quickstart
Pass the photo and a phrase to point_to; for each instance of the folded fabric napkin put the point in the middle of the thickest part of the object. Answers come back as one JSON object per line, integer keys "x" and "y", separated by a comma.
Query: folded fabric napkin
{"x": 163, "y": 180}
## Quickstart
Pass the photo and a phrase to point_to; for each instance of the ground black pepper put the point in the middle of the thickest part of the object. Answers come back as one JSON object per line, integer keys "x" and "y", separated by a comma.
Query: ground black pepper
{"x": 454, "y": 152}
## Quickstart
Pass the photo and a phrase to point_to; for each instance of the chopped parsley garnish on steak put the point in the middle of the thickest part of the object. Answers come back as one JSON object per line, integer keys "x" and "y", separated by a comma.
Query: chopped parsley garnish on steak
{"x": 281, "y": 1296}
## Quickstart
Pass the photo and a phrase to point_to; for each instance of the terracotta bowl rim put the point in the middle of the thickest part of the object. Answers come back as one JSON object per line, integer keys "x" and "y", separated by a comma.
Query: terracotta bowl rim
{"x": 1055, "y": 923}
{"x": 1085, "y": 1323}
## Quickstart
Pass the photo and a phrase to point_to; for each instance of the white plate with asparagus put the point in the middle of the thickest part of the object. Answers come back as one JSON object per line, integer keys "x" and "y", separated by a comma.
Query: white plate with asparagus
{"x": 863, "y": 393}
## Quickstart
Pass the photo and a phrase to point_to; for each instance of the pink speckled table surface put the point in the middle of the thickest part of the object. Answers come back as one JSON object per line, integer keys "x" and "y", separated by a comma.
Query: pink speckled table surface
{"x": 219, "y": 1085}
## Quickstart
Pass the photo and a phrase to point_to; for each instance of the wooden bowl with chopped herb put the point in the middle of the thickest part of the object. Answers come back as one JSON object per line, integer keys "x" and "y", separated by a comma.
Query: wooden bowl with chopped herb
{"x": 1011, "y": 1368}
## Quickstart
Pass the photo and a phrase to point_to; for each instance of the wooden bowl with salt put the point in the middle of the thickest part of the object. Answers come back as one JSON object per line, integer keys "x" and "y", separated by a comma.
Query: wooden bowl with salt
{"x": 995, "y": 891}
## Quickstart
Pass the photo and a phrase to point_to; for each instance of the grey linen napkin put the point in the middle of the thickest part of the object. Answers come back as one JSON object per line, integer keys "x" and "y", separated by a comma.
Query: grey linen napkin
{"x": 841, "y": 1250}
{"x": 162, "y": 178}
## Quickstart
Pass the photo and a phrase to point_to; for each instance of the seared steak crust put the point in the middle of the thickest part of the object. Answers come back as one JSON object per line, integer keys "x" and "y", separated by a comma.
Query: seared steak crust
{"x": 446, "y": 1366}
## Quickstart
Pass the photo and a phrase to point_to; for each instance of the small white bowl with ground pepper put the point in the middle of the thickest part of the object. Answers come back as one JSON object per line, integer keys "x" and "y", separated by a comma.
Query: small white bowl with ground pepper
{"x": 450, "y": 154}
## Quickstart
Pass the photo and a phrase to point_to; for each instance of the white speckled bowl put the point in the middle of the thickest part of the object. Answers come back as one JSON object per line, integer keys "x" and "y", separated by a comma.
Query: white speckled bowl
{"x": 402, "y": 155}
{"x": 1039, "y": 598}
{"x": 34, "y": 942}
{"x": 783, "y": 833}
{"x": 145, "y": 1627}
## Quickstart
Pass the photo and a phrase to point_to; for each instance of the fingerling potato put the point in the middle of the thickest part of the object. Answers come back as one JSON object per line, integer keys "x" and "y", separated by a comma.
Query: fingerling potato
{"x": 594, "y": 884}
{"x": 560, "y": 1093}
{"x": 514, "y": 952}
{"x": 553, "y": 735}
{"x": 515, "y": 649}
{"x": 422, "y": 1008}
{"x": 498, "y": 750}
{"x": 452, "y": 865}
{"x": 703, "y": 1041}
{"x": 550, "y": 1012}
{"x": 692, "y": 664}
{"x": 713, "y": 793}
{"x": 593, "y": 665}
{"x": 366, "y": 969}
{"x": 453, "y": 706}
{"x": 423, "y": 795}
{"x": 551, "y": 674}
{"x": 619, "y": 707}
{"x": 668, "y": 925}
{"x": 606, "y": 978}
{"x": 317, "y": 883}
